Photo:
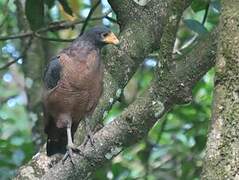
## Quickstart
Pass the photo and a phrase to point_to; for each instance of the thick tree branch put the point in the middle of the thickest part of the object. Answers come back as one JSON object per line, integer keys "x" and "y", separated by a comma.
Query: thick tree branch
{"x": 222, "y": 151}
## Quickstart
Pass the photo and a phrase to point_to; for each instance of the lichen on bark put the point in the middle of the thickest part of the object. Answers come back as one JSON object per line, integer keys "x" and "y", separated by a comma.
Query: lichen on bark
{"x": 222, "y": 152}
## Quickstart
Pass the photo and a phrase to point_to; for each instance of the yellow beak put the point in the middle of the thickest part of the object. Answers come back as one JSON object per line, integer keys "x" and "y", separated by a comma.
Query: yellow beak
{"x": 111, "y": 39}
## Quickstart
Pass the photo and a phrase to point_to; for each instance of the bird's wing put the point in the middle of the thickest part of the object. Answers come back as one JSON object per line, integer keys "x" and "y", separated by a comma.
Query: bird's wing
{"x": 52, "y": 73}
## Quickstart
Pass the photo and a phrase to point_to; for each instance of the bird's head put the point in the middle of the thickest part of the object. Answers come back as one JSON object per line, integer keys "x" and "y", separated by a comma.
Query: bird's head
{"x": 101, "y": 36}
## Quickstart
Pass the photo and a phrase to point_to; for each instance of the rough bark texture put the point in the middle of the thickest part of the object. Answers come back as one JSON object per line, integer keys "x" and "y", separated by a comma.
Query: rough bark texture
{"x": 222, "y": 153}
{"x": 170, "y": 87}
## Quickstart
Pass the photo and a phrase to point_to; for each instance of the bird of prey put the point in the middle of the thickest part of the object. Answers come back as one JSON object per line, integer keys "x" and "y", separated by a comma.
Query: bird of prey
{"x": 73, "y": 82}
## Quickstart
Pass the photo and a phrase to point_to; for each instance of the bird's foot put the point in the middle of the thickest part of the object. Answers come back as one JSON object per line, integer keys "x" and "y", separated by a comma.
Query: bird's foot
{"x": 89, "y": 137}
{"x": 71, "y": 148}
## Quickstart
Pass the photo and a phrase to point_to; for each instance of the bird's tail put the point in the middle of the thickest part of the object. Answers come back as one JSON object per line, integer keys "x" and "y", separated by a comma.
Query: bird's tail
{"x": 56, "y": 140}
{"x": 55, "y": 146}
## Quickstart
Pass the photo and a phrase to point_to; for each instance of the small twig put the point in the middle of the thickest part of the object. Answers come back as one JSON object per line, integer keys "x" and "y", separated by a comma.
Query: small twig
{"x": 206, "y": 13}
{"x": 156, "y": 166}
{"x": 10, "y": 63}
{"x": 36, "y": 34}
{"x": 4, "y": 100}
{"x": 111, "y": 19}
{"x": 89, "y": 16}
{"x": 23, "y": 35}
{"x": 55, "y": 26}
{"x": 20, "y": 57}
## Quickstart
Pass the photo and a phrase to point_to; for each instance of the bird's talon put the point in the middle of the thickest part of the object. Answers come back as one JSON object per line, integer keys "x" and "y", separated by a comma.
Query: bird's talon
{"x": 67, "y": 154}
{"x": 90, "y": 138}
{"x": 70, "y": 149}
{"x": 64, "y": 158}
{"x": 92, "y": 141}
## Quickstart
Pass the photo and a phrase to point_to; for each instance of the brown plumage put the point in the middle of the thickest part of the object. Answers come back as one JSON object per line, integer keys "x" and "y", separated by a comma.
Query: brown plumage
{"x": 73, "y": 84}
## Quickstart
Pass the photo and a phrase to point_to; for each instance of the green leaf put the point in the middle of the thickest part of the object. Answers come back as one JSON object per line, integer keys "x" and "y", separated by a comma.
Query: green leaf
{"x": 195, "y": 26}
{"x": 216, "y": 7}
{"x": 35, "y": 13}
{"x": 198, "y": 5}
{"x": 66, "y": 7}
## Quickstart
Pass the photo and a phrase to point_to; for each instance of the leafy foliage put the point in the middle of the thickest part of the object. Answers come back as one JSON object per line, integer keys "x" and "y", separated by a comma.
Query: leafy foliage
{"x": 174, "y": 147}
{"x": 198, "y": 5}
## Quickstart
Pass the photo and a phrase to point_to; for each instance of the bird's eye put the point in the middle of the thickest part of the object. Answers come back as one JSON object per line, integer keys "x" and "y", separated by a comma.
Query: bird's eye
{"x": 104, "y": 35}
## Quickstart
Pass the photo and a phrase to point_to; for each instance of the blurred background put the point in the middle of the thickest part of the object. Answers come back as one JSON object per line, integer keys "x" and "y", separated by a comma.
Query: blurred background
{"x": 174, "y": 148}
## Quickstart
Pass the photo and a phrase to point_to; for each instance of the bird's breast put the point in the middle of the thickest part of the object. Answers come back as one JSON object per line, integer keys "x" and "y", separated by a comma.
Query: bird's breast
{"x": 78, "y": 90}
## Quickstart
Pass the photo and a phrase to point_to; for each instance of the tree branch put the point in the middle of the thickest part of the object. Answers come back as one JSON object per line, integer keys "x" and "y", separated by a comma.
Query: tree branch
{"x": 206, "y": 13}
{"x": 36, "y": 34}
{"x": 10, "y": 63}
{"x": 23, "y": 54}
{"x": 89, "y": 16}
{"x": 221, "y": 159}
{"x": 23, "y": 35}
{"x": 111, "y": 19}
{"x": 54, "y": 26}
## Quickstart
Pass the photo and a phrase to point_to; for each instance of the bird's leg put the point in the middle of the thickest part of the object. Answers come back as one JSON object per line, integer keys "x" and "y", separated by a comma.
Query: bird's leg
{"x": 89, "y": 132}
{"x": 70, "y": 144}
{"x": 71, "y": 147}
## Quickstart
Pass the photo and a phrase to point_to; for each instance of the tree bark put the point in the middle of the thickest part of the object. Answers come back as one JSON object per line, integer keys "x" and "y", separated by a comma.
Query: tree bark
{"x": 222, "y": 152}
{"x": 34, "y": 61}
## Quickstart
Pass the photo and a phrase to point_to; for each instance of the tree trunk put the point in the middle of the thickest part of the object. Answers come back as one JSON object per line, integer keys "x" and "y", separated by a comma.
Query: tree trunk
{"x": 33, "y": 64}
{"x": 222, "y": 152}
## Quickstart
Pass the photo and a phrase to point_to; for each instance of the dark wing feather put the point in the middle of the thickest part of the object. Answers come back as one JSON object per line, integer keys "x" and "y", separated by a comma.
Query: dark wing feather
{"x": 52, "y": 73}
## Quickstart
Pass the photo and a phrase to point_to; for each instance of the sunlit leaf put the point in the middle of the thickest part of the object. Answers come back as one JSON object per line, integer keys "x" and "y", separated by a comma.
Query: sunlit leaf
{"x": 195, "y": 26}
{"x": 198, "y": 5}
{"x": 216, "y": 6}
{"x": 66, "y": 7}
